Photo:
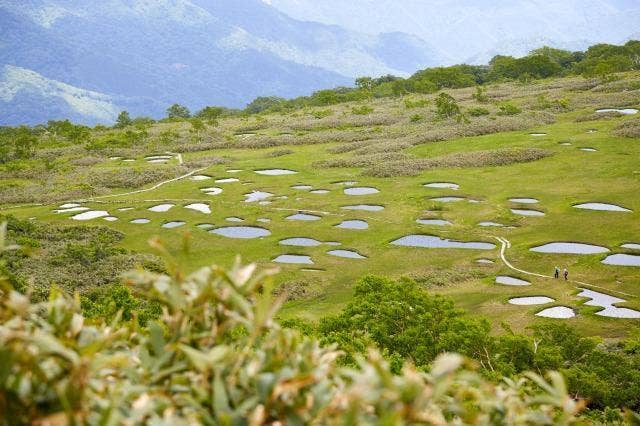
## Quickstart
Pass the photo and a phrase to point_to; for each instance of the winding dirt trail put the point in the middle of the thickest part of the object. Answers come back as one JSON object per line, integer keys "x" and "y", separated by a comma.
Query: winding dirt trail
{"x": 505, "y": 244}
{"x": 139, "y": 191}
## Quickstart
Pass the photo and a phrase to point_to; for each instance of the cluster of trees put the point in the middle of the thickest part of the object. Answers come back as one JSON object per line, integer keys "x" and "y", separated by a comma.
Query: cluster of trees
{"x": 600, "y": 60}
{"x": 17, "y": 143}
{"x": 407, "y": 323}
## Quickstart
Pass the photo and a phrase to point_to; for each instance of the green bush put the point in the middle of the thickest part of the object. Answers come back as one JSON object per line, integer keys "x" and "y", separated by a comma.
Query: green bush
{"x": 322, "y": 113}
{"x": 478, "y": 112}
{"x": 411, "y": 104}
{"x": 446, "y": 106}
{"x": 362, "y": 110}
{"x": 509, "y": 109}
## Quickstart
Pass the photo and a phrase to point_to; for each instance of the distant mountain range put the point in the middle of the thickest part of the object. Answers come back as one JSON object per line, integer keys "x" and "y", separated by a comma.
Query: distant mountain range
{"x": 89, "y": 59}
{"x": 471, "y": 30}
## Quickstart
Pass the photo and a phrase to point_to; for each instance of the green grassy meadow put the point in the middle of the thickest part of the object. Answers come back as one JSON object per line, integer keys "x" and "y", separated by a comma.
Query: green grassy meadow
{"x": 565, "y": 177}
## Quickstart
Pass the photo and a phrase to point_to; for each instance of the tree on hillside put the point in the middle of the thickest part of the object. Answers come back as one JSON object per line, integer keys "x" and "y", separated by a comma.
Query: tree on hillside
{"x": 17, "y": 143}
{"x": 564, "y": 58}
{"x": 123, "y": 120}
{"x": 364, "y": 83}
{"x": 446, "y": 106}
{"x": 263, "y": 103}
{"x": 177, "y": 111}
{"x": 210, "y": 114}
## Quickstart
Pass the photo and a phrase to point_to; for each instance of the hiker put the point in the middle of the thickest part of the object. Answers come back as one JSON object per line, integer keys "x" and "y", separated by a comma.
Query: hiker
{"x": 566, "y": 274}
{"x": 556, "y": 275}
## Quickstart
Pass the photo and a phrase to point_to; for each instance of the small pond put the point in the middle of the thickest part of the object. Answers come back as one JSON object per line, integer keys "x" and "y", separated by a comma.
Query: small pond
{"x": 631, "y": 246}
{"x": 319, "y": 191}
{"x": 527, "y": 212}
{"x": 302, "y": 187}
{"x": 537, "y": 134}
{"x": 361, "y": 190}
{"x": 507, "y": 280}
{"x": 243, "y": 232}
{"x": 353, "y": 224}
{"x": 110, "y": 218}
{"x": 431, "y": 241}
{"x": 485, "y": 261}
{"x": 161, "y": 208}
{"x": 140, "y": 221}
{"x": 72, "y": 209}
{"x": 364, "y": 207}
{"x": 625, "y": 111}
{"x": 254, "y": 196}
{"x": 531, "y": 300}
{"x": 350, "y": 254}
{"x": 212, "y": 190}
{"x": 303, "y": 216}
{"x": 293, "y": 259}
{"x": 491, "y": 224}
{"x": 227, "y": 180}
{"x": 447, "y": 199}
{"x": 300, "y": 242}
{"x": 569, "y": 248}
{"x": 559, "y": 312}
{"x": 588, "y": 149}
{"x": 93, "y": 214}
{"x": 174, "y": 224}
{"x": 607, "y": 302}
{"x": 447, "y": 185}
{"x": 524, "y": 200}
{"x": 275, "y": 172}
{"x": 602, "y": 207}
{"x": 199, "y": 207}
{"x": 434, "y": 222}
{"x": 205, "y": 226}
{"x": 346, "y": 183}
{"x": 622, "y": 260}
{"x": 200, "y": 177}
{"x": 234, "y": 219}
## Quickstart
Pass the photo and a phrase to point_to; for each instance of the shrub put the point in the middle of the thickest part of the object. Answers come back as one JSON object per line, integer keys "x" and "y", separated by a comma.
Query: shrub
{"x": 74, "y": 258}
{"x": 322, "y": 113}
{"x": 477, "y": 112}
{"x": 509, "y": 109}
{"x": 446, "y": 106}
{"x": 629, "y": 129}
{"x": 278, "y": 153}
{"x": 362, "y": 110}
{"x": 481, "y": 94}
{"x": 492, "y": 158}
{"x": 419, "y": 103}
{"x": 416, "y": 118}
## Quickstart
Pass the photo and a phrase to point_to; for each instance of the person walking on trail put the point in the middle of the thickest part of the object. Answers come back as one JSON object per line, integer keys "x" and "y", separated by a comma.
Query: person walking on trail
{"x": 556, "y": 275}
{"x": 566, "y": 274}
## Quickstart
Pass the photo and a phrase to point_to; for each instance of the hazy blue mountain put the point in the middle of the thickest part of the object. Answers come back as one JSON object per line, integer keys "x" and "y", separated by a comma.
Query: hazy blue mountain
{"x": 467, "y": 29}
{"x": 89, "y": 59}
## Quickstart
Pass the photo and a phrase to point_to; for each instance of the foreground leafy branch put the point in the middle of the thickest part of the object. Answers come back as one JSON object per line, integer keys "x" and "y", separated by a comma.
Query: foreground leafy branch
{"x": 216, "y": 356}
